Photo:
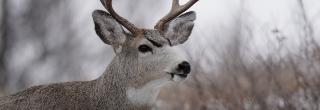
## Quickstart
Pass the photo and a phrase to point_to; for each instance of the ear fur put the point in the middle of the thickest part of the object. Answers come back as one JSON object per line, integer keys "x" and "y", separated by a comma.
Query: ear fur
{"x": 179, "y": 30}
{"x": 108, "y": 29}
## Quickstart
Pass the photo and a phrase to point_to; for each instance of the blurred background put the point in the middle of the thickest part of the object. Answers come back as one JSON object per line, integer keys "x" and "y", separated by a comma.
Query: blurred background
{"x": 246, "y": 54}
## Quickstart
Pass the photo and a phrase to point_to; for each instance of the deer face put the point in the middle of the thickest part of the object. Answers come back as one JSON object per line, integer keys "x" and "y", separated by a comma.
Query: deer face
{"x": 151, "y": 53}
{"x": 159, "y": 57}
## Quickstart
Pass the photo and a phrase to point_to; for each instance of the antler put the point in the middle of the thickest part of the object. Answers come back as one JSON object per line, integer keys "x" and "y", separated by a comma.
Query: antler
{"x": 175, "y": 11}
{"x": 131, "y": 27}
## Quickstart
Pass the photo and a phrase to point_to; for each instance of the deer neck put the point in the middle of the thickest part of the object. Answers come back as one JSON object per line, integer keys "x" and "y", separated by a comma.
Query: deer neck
{"x": 121, "y": 84}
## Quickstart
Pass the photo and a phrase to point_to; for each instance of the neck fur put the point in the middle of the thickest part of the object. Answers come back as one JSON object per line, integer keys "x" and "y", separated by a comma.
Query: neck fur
{"x": 115, "y": 85}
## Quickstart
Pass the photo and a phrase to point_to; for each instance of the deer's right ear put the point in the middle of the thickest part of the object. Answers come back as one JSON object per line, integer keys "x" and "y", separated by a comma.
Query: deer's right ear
{"x": 108, "y": 29}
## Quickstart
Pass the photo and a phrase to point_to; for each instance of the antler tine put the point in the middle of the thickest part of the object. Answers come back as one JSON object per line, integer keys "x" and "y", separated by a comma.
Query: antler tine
{"x": 131, "y": 27}
{"x": 175, "y": 11}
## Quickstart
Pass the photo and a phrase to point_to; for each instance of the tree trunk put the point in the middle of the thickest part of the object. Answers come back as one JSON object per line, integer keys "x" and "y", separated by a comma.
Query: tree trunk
{"x": 3, "y": 45}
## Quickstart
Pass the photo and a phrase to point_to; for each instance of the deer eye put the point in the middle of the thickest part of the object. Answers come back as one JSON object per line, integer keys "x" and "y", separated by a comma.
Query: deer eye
{"x": 145, "y": 48}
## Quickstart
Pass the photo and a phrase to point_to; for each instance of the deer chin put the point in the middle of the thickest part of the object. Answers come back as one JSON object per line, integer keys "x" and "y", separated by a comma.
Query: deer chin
{"x": 178, "y": 77}
{"x": 146, "y": 94}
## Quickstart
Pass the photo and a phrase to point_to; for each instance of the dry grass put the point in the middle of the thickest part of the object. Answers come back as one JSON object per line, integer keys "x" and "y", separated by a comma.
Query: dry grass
{"x": 290, "y": 82}
{"x": 278, "y": 86}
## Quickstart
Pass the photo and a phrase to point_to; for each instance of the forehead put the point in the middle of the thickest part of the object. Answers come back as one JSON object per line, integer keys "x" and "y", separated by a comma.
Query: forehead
{"x": 153, "y": 36}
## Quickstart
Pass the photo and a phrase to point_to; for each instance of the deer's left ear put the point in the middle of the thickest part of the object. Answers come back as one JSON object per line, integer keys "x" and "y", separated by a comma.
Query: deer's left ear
{"x": 179, "y": 29}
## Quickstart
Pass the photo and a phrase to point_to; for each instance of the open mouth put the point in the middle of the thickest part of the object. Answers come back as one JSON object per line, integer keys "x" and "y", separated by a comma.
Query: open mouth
{"x": 179, "y": 75}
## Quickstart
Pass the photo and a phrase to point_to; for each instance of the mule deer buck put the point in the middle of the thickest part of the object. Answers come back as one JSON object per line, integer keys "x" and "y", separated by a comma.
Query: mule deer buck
{"x": 145, "y": 60}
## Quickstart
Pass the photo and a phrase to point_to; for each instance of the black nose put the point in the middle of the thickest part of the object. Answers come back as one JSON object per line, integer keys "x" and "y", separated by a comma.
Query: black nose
{"x": 185, "y": 67}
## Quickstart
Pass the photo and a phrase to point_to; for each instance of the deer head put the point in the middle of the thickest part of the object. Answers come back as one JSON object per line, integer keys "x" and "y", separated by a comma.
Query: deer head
{"x": 146, "y": 58}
